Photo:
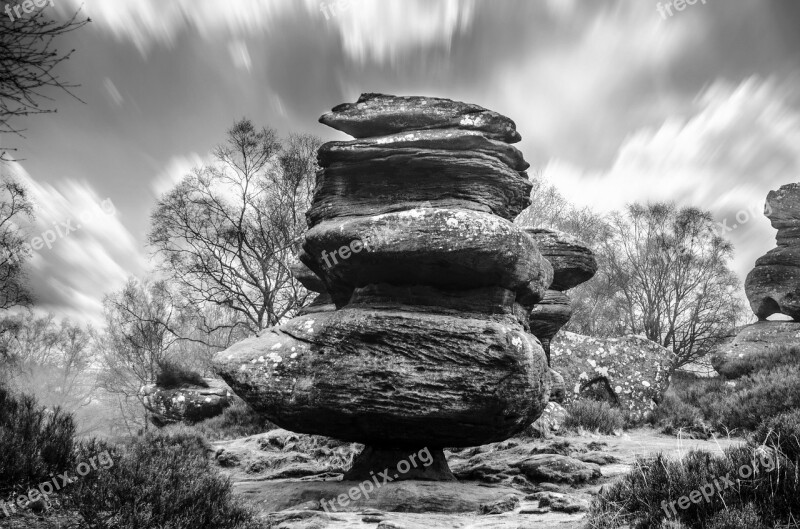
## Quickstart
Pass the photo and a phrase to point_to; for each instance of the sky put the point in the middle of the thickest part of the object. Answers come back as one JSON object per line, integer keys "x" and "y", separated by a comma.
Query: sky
{"x": 616, "y": 100}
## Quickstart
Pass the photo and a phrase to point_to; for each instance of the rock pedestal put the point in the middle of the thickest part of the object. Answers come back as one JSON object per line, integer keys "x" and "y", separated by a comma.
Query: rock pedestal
{"x": 411, "y": 235}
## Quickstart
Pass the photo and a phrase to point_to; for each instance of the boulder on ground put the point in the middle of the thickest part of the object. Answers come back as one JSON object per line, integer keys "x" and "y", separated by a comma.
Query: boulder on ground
{"x": 632, "y": 372}
{"x": 188, "y": 403}
{"x": 731, "y": 358}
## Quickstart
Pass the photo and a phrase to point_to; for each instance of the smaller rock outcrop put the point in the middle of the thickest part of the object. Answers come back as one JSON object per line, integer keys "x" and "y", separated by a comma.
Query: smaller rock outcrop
{"x": 773, "y": 286}
{"x": 632, "y": 372}
{"x": 731, "y": 358}
{"x": 189, "y": 403}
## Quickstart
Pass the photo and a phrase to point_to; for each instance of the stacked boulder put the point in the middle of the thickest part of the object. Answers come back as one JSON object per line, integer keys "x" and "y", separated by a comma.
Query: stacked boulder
{"x": 573, "y": 264}
{"x": 411, "y": 234}
{"x": 772, "y": 287}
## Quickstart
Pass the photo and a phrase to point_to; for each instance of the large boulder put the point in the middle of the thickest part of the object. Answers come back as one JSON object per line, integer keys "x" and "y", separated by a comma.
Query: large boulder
{"x": 573, "y": 262}
{"x": 446, "y": 248}
{"x": 632, "y": 372}
{"x": 732, "y": 358}
{"x": 396, "y": 378}
{"x": 381, "y": 115}
{"x": 189, "y": 403}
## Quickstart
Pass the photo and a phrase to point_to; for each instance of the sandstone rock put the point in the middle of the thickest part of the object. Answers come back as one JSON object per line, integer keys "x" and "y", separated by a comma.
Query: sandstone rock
{"x": 381, "y": 115}
{"x": 562, "y": 502}
{"x": 731, "y": 359}
{"x": 559, "y": 469}
{"x": 773, "y": 285}
{"x": 456, "y": 141}
{"x": 573, "y": 262}
{"x": 189, "y": 403}
{"x": 395, "y": 496}
{"x": 632, "y": 370}
{"x": 550, "y": 422}
{"x": 382, "y": 377}
{"x": 449, "y": 249}
{"x": 307, "y": 278}
{"x": 409, "y": 179}
{"x": 547, "y": 318}
{"x": 558, "y": 387}
{"x": 506, "y": 504}
{"x": 598, "y": 458}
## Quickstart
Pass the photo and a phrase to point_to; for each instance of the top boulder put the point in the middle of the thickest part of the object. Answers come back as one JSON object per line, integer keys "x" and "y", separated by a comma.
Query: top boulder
{"x": 380, "y": 115}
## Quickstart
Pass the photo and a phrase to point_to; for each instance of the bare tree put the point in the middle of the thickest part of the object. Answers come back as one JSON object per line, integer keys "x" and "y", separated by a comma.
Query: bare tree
{"x": 15, "y": 209}
{"x": 670, "y": 278}
{"x": 227, "y": 232}
{"x": 28, "y": 58}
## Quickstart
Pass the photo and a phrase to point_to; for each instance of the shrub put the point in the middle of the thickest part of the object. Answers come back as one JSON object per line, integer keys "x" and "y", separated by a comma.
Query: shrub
{"x": 781, "y": 432}
{"x": 637, "y": 498}
{"x": 163, "y": 481}
{"x": 674, "y": 413}
{"x": 594, "y": 416}
{"x": 173, "y": 376}
{"x": 36, "y": 442}
{"x": 238, "y": 420}
{"x": 737, "y": 518}
{"x": 759, "y": 396}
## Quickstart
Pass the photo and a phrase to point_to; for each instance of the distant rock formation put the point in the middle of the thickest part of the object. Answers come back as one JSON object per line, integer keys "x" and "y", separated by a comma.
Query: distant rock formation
{"x": 425, "y": 344}
{"x": 773, "y": 286}
{"x": 631, "y": 372}
{"x": 188, "y": 404}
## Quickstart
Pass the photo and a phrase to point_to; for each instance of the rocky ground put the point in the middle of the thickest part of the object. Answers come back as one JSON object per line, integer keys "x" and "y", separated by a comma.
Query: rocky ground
{"x": 514, "y": 484}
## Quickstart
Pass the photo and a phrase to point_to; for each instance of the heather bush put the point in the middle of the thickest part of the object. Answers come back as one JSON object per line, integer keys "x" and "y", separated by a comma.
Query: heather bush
{"x": 638, "y": 500}
{"x": 173, "y": 376}
{"x": 163, "y": 481}
{"x": 238, "y": 420}
{"x": 36, "y": 442}
{"x": 594, "y": 416}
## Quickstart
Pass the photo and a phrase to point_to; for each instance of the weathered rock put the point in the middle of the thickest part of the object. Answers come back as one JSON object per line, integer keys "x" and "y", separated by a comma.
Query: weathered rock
{"x": 633, "y": 371}
{"x": 562, "y": 502}
{"x": 559, "y": 469}
{"x": 386, "y": 377}
{"x": 773, "y": 286}
{"x": 381, "y": 115}
{"x": 307, "y": 278}
{"x": 394, "y": 496}
{"x": 407, "y": 179}
{"x": 598, "y": 458}
{"x": 549, "y": 316}
{"x": 420, "y": 464}
{"x": 188, "y": 403}
{"x": 456, "y": 140}
{"x": 731, "y": 358}
{"x": 558, "y": 388}
{"x": 449, "y": 249}
{"x": 550, "y": 422}
{"x": 573, "y": 262}
{"x": 506, "y": 504}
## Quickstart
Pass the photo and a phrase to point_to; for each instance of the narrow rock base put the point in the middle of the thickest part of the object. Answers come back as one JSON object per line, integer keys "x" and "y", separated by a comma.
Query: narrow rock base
{"x": 400, "y": 464}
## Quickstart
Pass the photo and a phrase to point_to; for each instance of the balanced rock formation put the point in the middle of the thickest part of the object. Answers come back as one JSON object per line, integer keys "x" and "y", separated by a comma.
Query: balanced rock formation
{"x": 189, "y": 403}
{"x": 631, "y": 372}
{"x": 411, "y": 234}
{"x": 773, "y": 286}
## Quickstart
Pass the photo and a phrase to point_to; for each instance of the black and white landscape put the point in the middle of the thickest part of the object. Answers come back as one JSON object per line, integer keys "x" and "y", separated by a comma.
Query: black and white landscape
{"x": 399, "y": 264}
